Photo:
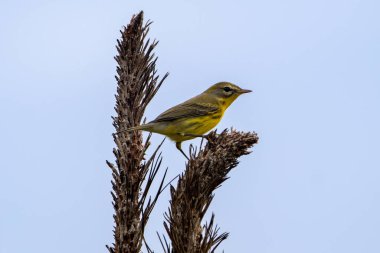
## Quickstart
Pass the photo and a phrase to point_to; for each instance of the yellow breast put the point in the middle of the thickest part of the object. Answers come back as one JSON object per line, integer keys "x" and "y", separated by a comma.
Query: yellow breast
{"x": 195, "y": 126}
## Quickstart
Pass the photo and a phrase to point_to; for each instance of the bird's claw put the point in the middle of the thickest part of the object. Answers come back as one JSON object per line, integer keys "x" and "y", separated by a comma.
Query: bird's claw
{"x": 208, "y": 138}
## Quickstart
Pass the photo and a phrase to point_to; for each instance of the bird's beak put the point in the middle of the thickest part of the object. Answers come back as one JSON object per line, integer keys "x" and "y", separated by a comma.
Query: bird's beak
{"x": 242, "y": 91}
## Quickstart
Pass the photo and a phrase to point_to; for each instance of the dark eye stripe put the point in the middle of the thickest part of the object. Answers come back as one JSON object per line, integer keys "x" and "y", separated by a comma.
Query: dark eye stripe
{"x": 227, "y": 89}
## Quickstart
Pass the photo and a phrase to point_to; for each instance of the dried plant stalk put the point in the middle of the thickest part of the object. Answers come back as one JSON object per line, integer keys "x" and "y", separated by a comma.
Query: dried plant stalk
{"x": 137, "y": 84}
{"x": 206, "y": 171}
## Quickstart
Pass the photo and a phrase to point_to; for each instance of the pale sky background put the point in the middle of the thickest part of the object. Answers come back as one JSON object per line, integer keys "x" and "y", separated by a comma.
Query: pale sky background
{"x": 310, "y": 186}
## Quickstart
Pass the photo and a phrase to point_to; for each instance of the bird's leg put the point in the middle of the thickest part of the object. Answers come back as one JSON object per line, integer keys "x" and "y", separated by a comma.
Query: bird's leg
{"x": 206, "y": 136}
{"x": 191, "y": 135}
{"x": 178, "y": 146}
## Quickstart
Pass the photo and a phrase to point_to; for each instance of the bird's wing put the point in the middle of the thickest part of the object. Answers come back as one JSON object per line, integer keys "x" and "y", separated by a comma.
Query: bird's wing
{"x": 187, "y": 110}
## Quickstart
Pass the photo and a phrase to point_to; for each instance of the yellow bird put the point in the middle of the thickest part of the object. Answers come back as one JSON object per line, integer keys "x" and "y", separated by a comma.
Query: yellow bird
{"x": 196, "y": 116}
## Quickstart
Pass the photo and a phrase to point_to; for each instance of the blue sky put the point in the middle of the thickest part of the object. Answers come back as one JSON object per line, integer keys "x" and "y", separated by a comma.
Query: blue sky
{"x": 311, "y": 185}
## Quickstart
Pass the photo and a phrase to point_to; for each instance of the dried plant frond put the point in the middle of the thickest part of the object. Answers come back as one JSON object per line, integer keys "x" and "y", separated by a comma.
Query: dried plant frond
{"x": 137, "y": 83}
{"x": 133, "y": 174}
{"x": 205, "y": 172}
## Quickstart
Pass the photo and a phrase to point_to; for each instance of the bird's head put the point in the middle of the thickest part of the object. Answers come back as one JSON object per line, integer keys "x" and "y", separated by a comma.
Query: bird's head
{"x": 225, "y": 92}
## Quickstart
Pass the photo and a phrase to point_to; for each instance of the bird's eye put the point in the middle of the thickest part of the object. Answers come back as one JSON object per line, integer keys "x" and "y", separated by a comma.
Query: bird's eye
{"x": 227, "y": 89}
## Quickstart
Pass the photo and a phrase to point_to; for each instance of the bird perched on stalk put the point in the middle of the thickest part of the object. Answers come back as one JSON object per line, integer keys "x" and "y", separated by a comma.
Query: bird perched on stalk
{"x": 194, "y": 117}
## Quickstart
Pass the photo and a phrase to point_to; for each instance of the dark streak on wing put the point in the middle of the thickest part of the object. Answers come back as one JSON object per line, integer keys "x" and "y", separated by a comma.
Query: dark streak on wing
{"x": 187, "y": 110}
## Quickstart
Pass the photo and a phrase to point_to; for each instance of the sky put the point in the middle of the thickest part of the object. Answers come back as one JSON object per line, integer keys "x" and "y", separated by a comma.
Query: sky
{"x": 310, "y": 185}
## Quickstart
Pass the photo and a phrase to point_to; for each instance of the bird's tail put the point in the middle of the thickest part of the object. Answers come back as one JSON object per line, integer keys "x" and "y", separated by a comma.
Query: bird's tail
{"x": 144, "y": 127}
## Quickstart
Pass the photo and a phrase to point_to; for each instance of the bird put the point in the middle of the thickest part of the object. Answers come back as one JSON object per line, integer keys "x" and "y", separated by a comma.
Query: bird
{"x": 194, "y": 117}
